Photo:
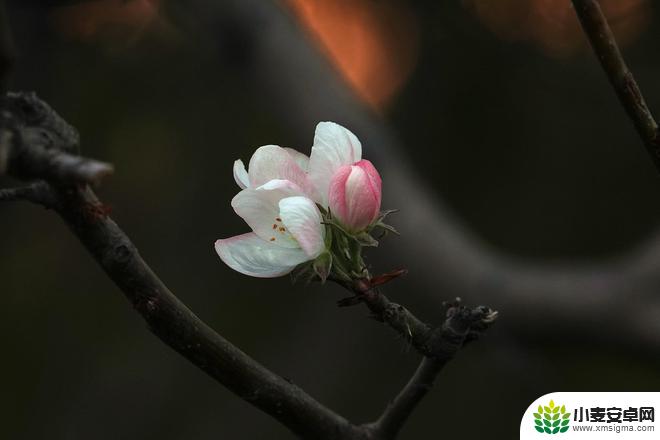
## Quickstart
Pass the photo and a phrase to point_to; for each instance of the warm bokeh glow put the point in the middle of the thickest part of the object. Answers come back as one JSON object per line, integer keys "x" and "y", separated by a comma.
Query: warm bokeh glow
{"x": 553, "y": 25}
{"x": 118, "y": 21}
{"x": 373, "y": 44}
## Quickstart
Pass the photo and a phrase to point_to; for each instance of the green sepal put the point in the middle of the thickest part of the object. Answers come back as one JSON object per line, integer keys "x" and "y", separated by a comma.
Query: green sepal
{"x": 322, "y": 265}
{"x": 365, "y": 239}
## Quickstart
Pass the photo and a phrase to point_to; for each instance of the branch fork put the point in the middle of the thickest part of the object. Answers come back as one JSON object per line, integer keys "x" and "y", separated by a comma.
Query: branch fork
{"x": 42, "y": 148}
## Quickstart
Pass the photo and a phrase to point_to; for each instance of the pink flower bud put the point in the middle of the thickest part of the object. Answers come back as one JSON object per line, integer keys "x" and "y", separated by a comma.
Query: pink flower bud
{"x": 354, "y": 195}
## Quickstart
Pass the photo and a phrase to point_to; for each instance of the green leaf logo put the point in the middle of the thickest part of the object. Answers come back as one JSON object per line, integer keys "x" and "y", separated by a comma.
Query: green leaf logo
{"x": 552, "y": 418}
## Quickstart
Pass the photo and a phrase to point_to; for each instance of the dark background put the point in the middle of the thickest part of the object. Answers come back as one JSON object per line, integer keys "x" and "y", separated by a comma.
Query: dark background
{"x": 525, "y": 143}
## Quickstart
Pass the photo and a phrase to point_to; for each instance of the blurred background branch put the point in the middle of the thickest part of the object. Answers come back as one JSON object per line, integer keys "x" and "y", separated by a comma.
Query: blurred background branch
{"x": 620, "y": 294}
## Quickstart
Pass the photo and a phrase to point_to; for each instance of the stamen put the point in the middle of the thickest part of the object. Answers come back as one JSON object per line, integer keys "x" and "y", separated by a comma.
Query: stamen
{"x": 282, "y": 229}
{"x": 274, "y": 226}
{"x": 278, "y": 219}
{"x": 272, "y": 238}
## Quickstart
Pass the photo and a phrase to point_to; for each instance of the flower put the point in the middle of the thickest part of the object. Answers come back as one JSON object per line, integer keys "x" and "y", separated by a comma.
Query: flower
{"x": 287, "y": 230}
{"x": 273, "y": 162}
{"x": 355, "y": 195}
{"x": 284, "y": 198}
{"x": 334, "y": 146}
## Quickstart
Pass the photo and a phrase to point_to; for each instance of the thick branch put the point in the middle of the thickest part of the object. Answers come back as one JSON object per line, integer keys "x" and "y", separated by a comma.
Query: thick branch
{"x": 57, "y": 166}
{"x": 177, "y": 326}
{"x": 168, "y": 318}
{"x": 38, "y": 193}
{"x": 604, "y": 45}
{"x": 36, "y": 143}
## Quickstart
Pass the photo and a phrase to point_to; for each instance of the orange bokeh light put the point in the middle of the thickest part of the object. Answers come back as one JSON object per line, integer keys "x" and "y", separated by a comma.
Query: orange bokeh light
{"x": 372, "y": 44}
{"x": 552, "y": 24}
{"x": 116, "y": 20}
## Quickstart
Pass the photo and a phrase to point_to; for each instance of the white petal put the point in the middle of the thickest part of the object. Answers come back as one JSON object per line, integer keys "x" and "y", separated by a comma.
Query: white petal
{"x": 272, "y": 162}
{"x": 241, "y": 175}
{"x": 260, "y": 209}
{"x": 303, "y": 220}
{"x": 334, "y": 146}
{"x": 250, "y": 255}
{"x": 301, "y": 159}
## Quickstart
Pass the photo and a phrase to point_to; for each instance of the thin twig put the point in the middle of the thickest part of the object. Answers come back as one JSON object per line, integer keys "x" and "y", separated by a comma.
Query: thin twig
{"x": 398, "y": 411}
{"x": 604, "y": 45}
{"x": 461, "y": 324}
{"x": 438, "y": 346}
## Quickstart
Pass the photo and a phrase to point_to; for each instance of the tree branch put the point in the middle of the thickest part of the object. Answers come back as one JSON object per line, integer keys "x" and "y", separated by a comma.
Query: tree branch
{"x": 36, "y": 143}
{"x": 38, "y": 193}
{"x": 167, "y": 317}
{"x": 171, "y": 321}
{"x": 399, "y": 410}
{"x": 606, "y": 49}
{"x": 436, "y": 343}
{"x": 439, "y": 346}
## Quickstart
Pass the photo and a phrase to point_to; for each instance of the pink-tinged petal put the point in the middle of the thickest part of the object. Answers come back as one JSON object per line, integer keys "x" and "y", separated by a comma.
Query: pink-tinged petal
{"x": 374, "y": 179}
{"x": 337, "y": 192}
{"x": 302, "y": 220}
{"x": 250, "y": 255}
{"x": 362, "y": 204}
{"x": 301, "y": 159}
{"x": 241, "y": 174}
{"x": 334, "y": 146}
{"x": 355, "y": 195}
{"x": 272, "y": 162}
{"x": 259, "y": 207}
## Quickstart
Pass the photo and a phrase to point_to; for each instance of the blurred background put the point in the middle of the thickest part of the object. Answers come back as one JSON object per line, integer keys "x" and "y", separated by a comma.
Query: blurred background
{"x": 497, "y": 108}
